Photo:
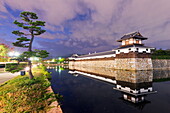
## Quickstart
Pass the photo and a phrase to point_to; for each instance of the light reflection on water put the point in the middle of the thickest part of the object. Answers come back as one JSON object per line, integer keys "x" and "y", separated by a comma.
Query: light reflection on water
{"x": 91, "y": 90}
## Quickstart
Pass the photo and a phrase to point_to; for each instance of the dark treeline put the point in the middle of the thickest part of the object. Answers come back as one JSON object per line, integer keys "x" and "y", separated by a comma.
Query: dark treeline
{"x": 161, "y": 54}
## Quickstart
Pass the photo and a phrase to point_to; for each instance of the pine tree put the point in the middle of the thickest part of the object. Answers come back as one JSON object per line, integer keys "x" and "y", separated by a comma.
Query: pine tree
{"x": 32, "y": 28}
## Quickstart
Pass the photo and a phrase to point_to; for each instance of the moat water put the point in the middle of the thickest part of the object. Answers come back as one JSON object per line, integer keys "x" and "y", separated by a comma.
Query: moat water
{"x": 83, "y": 93}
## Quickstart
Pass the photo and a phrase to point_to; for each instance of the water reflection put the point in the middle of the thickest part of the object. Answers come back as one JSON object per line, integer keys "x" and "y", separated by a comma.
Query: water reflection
{"x": 134, "y": 85}
{"x": 97, "y": 90}
{"x": 58, "y": 68}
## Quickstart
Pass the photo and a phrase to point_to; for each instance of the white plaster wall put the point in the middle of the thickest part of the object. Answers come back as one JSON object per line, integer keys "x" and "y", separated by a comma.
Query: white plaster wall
{"x": 95, "y": 57}
{"x": 142, "y": 90}
{"x": 145, "y": 90}
{"x": 126, "y": 50}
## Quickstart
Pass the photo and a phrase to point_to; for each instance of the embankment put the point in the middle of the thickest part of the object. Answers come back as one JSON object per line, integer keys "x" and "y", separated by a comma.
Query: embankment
{"x": 161, "y": 64}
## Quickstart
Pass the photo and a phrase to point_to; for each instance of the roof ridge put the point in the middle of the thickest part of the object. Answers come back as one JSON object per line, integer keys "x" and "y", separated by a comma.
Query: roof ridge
{"x": 135, "y": 32}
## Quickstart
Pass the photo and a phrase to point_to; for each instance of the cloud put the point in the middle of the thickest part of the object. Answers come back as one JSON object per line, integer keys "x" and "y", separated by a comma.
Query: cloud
{"x": 148, "y": 16}
{"x": 51, "y": 27}
{"x": 54, "y": 48}
{"x": 97, "y": 24}
{"x": 53, "y": 11}
{"x": 164, "y": 44}
{"x": 9, "y": 43}
{"x": 2, "y": 16}
{"x": 2, "y": 7}
{"x": 48, "y": 35}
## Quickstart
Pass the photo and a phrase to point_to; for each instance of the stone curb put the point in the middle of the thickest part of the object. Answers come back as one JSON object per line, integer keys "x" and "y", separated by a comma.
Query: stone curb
{"x": 55, "y": 106}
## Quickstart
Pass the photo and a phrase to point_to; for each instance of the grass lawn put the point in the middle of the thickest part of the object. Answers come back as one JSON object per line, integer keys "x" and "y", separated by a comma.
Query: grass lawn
{"x": 22, "y": 95}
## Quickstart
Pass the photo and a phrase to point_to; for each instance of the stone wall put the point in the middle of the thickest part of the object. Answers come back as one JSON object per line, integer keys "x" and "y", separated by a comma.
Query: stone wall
{"x": 133, "y": 64}
{"x": 93, "y": 63}
{"x": 122, "y": 61}
{"x": 118, "y": 63}
{"x": 125, "y": 61}
{"x": 161, "y": 64}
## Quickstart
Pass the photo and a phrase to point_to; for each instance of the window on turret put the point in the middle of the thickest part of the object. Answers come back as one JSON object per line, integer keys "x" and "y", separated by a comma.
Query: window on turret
{"x": 137, "y": 41}
{"x": 131, "y": 41}
{"x": 140, "y": 42}
{"x": 146, "y": 49}
{"x": 123, "y": 42}
{"x": 126, "y": 42}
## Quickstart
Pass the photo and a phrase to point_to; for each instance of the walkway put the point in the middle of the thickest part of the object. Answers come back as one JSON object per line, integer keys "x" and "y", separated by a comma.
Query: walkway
{"x": 5, "y": 76}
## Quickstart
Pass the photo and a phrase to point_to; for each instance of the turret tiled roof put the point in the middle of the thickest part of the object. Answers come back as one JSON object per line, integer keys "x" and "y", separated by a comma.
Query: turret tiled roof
{"x": 136, "y": 35}
{"x": 97, "y": 54}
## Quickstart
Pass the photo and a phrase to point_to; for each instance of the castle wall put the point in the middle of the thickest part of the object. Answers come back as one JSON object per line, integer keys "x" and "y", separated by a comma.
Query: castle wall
{"x": 109, "y": 63}
{"x": 134, "y": 64}
{"x": 161, "y": 64}
{"x": 123, "y": 61}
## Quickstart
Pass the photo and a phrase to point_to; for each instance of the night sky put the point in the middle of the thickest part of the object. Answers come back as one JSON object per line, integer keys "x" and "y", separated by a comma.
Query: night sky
{"x": 83, "y": 26}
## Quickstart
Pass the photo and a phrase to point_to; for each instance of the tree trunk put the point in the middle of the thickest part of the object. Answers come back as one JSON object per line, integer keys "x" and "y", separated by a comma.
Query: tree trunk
{"x": 30, "y": 70}
{"x": 30, "y": 50}
{"x": 31, "y": 41}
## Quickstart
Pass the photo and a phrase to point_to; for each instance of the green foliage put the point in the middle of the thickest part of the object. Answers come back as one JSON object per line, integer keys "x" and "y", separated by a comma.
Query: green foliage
{"x": 161, "y": 57}
{"x": 13, "y": 67}
{"x": 37, "y": 23}
{"x": 59, "y": 98}
{"x": 4, "y": 49}
{"x": 35, "y": 53}
{"x": 18, "y": 32}
{"x": 26, "y": 15}
{"x": 161, "y": 54}
{"x": 21, "y": 39}
{"x": 44, "y": 71}
{"x": 33, "y": 27}
{"x": 25, "y": 40}
{"x": 24, "y": 95}
{"x": 41, "y": 53}
{"x": 61, "y": 60}
{"x": 161, "y": 80}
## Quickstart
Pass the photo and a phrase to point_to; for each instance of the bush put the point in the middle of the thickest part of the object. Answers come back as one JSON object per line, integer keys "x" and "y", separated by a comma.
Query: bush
{"x": 14, "y": 67}
{"x": 161, "y": 54}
